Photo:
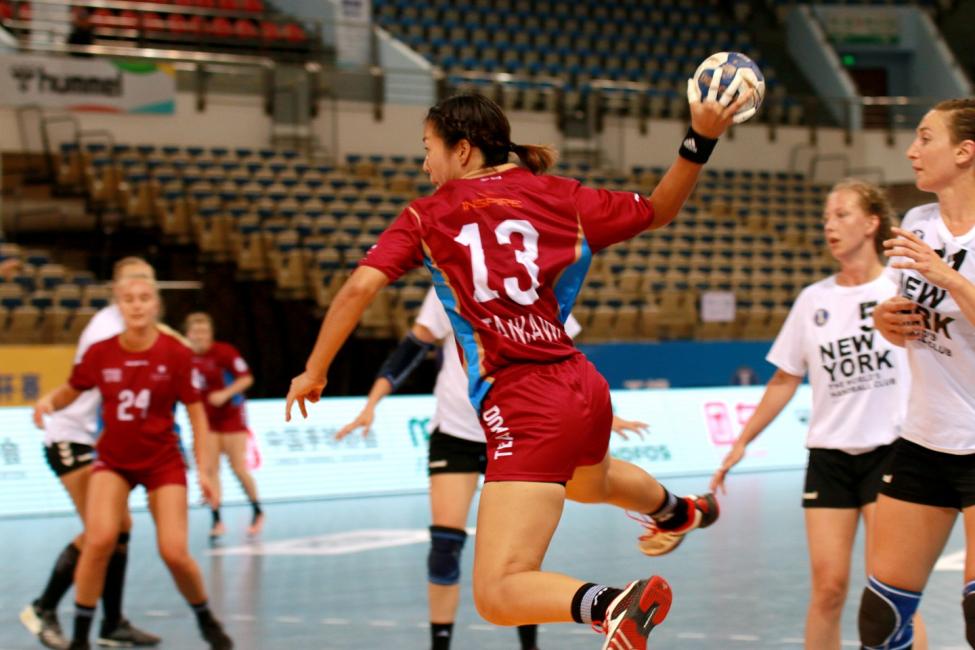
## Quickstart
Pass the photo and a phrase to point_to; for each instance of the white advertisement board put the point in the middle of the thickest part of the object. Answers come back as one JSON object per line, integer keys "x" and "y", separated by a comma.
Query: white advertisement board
{"x": 86, "y": 84}
{"x": 690, "y": 432}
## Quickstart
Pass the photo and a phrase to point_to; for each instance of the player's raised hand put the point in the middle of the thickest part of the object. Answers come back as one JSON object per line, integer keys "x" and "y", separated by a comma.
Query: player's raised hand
{"x": 363, "y": 420}
{"x": 305, "y": 386}
{"x": 920, "y": 257}
{"x": 711, "y": 115}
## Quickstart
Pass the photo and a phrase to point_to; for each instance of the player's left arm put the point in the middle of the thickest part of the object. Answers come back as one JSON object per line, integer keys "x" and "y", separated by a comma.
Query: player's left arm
{"x": 201, "y": 451}
{"x": 920, "y": 257}
{"x": 343, "y": 315}
{"x": 243, "y": 379}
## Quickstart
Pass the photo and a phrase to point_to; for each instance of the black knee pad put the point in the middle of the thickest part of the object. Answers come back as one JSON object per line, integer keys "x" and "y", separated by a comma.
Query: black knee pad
{"x": 886, "y": 617}
{"x": 968, "y": 609}
{"x": 443, "y": 561}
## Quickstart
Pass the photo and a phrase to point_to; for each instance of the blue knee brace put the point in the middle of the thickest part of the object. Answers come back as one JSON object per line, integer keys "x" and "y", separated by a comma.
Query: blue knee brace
{"x": 968, "y": 608}
{"x": 887, "y": 616}
{"x": 443, "y": 562}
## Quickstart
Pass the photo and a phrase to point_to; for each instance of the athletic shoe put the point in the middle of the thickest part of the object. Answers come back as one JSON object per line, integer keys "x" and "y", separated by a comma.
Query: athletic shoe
{"x": 213, "y": 634}
{"x": 660, "y": 542}
{"x": 125, "y": 635}
{"x": 633, "y": 614}
{"x": 218, "y": 530}
{"x": 44, "y": 625}
{"x": 257, "y": 525}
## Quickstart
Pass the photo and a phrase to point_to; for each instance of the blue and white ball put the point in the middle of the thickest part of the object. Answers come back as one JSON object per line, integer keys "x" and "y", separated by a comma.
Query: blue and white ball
{"x": 736, "y": 73}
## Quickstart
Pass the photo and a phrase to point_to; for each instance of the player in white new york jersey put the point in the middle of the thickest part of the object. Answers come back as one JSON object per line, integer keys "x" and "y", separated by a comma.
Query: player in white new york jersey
{"x": 457, "y": 457}
{"x": 932, "y": 473}
{"x": 859, "y": 384}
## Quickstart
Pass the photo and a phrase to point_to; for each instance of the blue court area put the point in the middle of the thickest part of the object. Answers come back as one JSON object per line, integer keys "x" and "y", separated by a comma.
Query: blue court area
{"x": 350, "y": 574}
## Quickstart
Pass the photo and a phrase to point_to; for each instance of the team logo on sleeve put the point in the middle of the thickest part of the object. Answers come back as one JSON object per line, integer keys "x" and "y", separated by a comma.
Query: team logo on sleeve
{"x": 112, "y": 375}
{"x": 240, "y": 365}
{"x": 820, "y": 317}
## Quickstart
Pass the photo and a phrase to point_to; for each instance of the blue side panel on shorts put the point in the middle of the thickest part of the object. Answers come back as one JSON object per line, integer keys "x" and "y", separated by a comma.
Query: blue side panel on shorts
{"x": 228, "y": 378}
{"x": 464, "y": 333}
{"x": 570, "y": 283}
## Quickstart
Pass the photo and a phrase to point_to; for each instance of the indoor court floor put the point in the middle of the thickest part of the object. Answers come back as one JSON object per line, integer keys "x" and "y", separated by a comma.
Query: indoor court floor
{"x": 350, "y": 573}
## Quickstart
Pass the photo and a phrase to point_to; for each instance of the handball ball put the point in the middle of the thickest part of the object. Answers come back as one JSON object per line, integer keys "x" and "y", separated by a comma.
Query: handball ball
{"x": 737, "y": 73}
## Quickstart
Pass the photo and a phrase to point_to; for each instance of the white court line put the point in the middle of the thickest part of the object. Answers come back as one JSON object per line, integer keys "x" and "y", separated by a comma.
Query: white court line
{"x": 157, "y": 613}
{"x": 793, "y": 640}
{"x": 243, "y": 617}
{"x": 744, "y": 637}
{"x": 482, "y": 628}
{"x": 383, "y": 623}
{"x": 335, "y": 621}
{"x": 951, "y": 562}
{"x": 290, "y": 620}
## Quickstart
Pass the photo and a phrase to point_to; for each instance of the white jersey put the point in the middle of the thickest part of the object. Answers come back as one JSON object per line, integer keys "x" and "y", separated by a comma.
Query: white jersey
{"x": 454, "y": 413}
{"x": 860, "y": 381}
{"x": 78, "y": 422}
{"x": 941, "y": 409}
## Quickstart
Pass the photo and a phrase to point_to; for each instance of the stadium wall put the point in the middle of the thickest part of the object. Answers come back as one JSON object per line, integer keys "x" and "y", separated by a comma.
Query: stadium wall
{"x": 350, "y": 127}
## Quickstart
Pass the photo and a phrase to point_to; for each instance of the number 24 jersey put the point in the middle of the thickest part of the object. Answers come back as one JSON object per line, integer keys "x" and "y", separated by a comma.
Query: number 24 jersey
{"x": 139, "y": 391}
{"x": 508, "y": 254}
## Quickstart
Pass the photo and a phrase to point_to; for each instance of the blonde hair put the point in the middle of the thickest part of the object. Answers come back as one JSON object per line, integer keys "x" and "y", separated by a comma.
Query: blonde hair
{"x": 873, "y": 200}
{"x": 119, "y": 269}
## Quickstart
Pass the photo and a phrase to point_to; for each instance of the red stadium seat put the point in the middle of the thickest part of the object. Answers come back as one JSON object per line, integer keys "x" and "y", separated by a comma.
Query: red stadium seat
{"x": 206, "y": 4}
{"x": 228, "y": 5}
{"x": 220, "y": 27}
{"x": 293, "y": 32}
{"x": 128, "y": 20}
{"x": 269, "y": 31}
{"x": 103, "y": 18}
{"x": 185, "y": 3}
{"x": 254, "y": 5}
{"x": 23, "y": 11}
{"x": 153, "y": 23}
{"x": 246, "y": 28}
{"x": 6, "y": 11}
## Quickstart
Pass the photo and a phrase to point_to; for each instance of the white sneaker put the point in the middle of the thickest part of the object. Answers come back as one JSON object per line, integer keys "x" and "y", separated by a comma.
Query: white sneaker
{"x": 633, "y": 614}
{"x": 660, "y": 542}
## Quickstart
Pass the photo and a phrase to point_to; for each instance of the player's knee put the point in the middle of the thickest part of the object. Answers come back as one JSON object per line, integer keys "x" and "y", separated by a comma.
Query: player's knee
{"x": 443, "y": 561}
{"x": 887, "y": 616}
{"x": 491, "y": 604}
{"x": 968, "y": 608}
{"x": 175, "y": 555}
{"x": 829, "y": 594}
{"x": 100, "y": 543}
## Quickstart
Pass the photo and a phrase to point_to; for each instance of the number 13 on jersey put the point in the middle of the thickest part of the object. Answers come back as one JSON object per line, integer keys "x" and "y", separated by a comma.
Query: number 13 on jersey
{"x": 470, "y": 236}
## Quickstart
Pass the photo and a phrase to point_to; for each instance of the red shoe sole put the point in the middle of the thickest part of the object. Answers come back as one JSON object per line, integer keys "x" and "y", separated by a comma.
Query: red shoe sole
{"x": 657, "y": 594}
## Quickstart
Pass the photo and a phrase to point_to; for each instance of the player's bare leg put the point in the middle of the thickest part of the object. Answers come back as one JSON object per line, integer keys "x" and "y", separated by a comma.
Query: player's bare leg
{"x": 234, "y": 446}
{"x": 511, "y": 589}
{"x": 169, "y": 511}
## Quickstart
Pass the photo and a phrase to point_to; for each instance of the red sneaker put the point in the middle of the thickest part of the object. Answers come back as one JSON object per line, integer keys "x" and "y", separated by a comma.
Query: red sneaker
{"x": 659, "y": 542}
{"x": 633, "y": 614}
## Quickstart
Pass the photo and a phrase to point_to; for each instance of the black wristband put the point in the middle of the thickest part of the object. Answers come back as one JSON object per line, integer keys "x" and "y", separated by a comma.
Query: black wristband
{"x": 696, "y": 148}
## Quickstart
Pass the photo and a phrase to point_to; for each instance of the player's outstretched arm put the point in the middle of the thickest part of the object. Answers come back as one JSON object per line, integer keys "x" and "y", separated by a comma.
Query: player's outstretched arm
{"x": 220, "y": 397}
{"x": 342, "y": 317}
{"x": 56, "y": 400}
{"x": 779, "y": 390}
{"x": 399, "y": 365}
{"x": 710, "y": 118}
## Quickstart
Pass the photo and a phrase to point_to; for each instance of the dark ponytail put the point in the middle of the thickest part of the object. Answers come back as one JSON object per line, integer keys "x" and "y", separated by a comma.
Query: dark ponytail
{"x": 483, "y": 124}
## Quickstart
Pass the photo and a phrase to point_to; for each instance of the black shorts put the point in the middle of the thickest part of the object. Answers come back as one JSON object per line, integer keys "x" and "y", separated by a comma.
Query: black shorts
{"x": 931, "y": 478}
{"x": 452, "y": 455}
{"x": 836, "y": 479}
{"x": 66, "y": 457}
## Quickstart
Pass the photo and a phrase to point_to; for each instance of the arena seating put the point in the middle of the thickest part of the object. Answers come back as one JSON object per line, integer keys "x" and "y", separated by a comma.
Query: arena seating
{"x": 46, "y": 302}
{"x": 304, "y": 224}
{"x": 237, "y": 26}
{"x": 638, "y": 56}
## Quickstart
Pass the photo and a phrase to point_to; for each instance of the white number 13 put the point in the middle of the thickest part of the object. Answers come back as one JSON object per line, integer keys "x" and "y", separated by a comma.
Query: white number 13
{"x": 470, "y": 236}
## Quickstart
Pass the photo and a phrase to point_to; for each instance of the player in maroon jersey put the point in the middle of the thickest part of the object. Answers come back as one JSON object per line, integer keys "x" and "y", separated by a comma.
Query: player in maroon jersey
{"x": 508, "y": 248}
{"x": 225, "y": 376}
{"x": 140, "y": 373}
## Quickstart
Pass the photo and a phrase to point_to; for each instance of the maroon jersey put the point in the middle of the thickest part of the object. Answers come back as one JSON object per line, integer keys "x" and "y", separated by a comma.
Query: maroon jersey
{"x": 139, "y": 392}
{"x": 219, "y": 367}
{"x": 508, "y": 254}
